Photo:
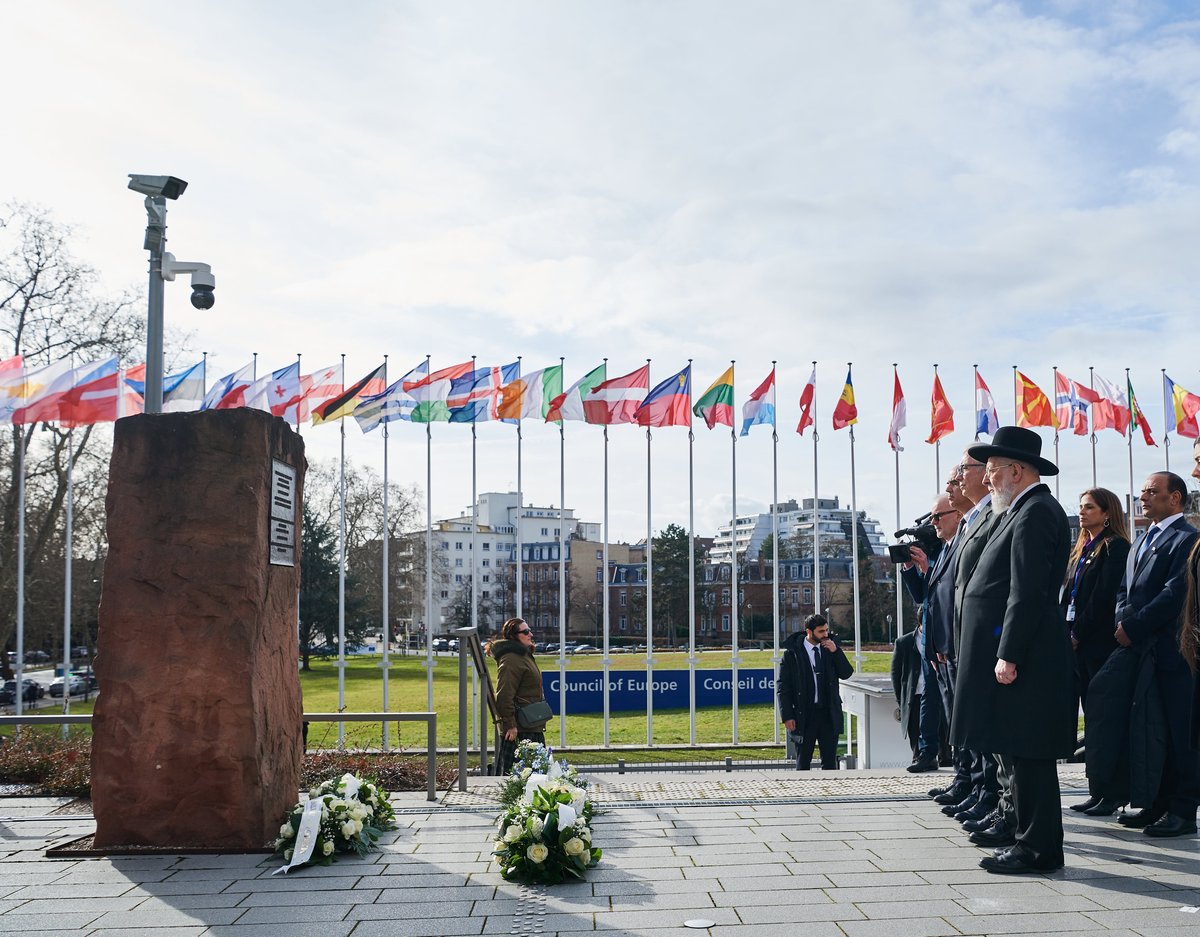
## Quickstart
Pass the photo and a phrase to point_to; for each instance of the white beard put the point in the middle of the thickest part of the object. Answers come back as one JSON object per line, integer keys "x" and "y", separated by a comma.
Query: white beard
{"x": 1001, "y": 499}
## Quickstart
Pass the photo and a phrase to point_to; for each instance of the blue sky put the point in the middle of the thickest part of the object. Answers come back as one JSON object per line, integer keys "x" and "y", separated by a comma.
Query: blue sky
{"x": 959, "y": 183}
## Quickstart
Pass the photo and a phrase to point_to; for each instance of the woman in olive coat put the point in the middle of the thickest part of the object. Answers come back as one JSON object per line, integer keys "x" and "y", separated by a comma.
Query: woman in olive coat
{"x": 518, "y": 683}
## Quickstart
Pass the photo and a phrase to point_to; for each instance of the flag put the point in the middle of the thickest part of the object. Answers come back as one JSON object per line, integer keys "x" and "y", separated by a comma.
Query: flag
{"x": 317, "y": 387}
{"x": 393, "y": 404}
{"x": 760, "y": 408}
{"x": 899, "y": 414}
{"x": 716, "y": 404}
{"x": 1137, "y": 418}
{"x": 278, "y": 393}
{"x": 432, "y": 391}
{"x": 473, "y": 396}
{"x": 986, "y": 419}
{"x": 941, "y": 421}
{"x": 229, "y": 390}
{"x": 1033, "y": 408}
{"x": 531, "y": 394}
{"x": 335, "y": 408}
{"x": 1070, "y": 409}
{"x": 616, "y": 401}
{"x": 47, "y": 388}
{"x": 806, "y": 402}
{"x": 569, "y": 406}
{"x": 182, "y": 391}
{"x": 669, "y": 404}
{"x": 102, "y": 400}
{"x": 12, "y": 386}
{"x": 845, "y": 413}
{"x": 1111, "y": 409}
{"x": 1185, "y": 405}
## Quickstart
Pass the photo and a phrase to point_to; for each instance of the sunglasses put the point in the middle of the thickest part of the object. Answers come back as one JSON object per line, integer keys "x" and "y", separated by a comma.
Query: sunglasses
{"x": 938, "y": 516}
{"x": 524, "y": 631}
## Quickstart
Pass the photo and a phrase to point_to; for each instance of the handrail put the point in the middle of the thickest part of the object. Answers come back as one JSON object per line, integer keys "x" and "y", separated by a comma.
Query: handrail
{"x": 429, "y": 718}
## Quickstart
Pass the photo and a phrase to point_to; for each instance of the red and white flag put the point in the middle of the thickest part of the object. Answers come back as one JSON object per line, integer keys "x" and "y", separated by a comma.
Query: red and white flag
{"x": 899, "y": 414}
{"x": 806, "y": 403}
{"x": 104, "y": 400}
{"x": 1111, "y": 408}
{"x": 616, "y": 401}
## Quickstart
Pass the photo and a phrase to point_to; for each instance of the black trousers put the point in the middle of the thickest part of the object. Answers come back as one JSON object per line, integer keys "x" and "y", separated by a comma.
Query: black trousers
{"x": 820, "y": 728}
{"x": 1180, "y": 789}
{"x": 1039, "y": 809}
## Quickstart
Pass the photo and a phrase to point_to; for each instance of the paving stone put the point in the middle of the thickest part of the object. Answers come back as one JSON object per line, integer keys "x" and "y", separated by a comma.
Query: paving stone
{"x": 628, "y": 920}
{"x": 736, "y": 871}
{"x": 397, "y": 910}
{"x": 89, "y": 890}
{"x": 192, "y": 902}
{"x": 883, "y": 893}
{"x": 639, "y": 887}
{"x": 276, "y": 899}
{"x": 399, "y": 927}
{"x": 1022, "y": 923}
{"x": 321, "y": 929}
{"x": 15, "y": 922}
{"x": 196, "y": 931}
{"x": 821, "y": 929}
{"x": 1033, "y": 904}
{"x": 799, "y": 913}
{"x": 295, "y": 914}
{"x": 161, "y": 917}
{"x": 302, "y": 880}
{"x": 899, "y": 927}
{"x": 81, "y": 905}
{"x": 462, "y": 893}
{"x": 1146, "y": 918}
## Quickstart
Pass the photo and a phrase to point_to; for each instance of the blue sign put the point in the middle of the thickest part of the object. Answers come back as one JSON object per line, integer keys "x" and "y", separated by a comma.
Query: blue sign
{"x": 627, "y": 689}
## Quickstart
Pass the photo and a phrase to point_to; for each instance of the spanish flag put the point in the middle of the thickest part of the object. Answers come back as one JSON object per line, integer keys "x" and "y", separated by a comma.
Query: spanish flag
{"x": 344, "y": 403}
{"x": 845, "y": 413}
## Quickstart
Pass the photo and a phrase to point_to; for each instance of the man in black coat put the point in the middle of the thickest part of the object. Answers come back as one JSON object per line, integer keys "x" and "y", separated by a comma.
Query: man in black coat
{"x": 810, "y": 701}
{"x": 1150, "y": 601}
{"x": 1014, "y": 695}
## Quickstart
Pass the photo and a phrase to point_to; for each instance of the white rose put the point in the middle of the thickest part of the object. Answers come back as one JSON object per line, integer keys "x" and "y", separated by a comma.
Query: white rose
{"x": 327, "y": 847}
{"x": 512, "y": 834}
{"x": 314, "y": 793}
{"x": 499, "y": 846}
{"x": 537, "y": 825}
{"x": 537, "y": 853}
{"x": 348, "y": 829}
{"x": 286, "y": 831}
{"x": 578, "y": 798}
{"x": 574, "y": 846}
{"x": 358, "y": 826}
{"x": 287, "y": 855}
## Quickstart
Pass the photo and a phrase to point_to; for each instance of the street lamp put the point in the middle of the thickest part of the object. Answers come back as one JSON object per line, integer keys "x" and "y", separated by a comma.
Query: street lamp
{"x": 164, "y": 266}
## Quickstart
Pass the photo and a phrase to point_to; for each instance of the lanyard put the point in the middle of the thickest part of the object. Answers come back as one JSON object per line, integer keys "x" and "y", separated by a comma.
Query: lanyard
{"x": 1083, "y": 559}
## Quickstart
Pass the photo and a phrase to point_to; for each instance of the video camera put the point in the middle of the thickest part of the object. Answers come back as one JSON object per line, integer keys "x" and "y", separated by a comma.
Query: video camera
{"x": 922, "y": 533}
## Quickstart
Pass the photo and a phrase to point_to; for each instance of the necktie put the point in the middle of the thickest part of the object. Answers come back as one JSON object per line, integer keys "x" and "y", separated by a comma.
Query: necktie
{"x": 1150, "y": 535}
{"x": 816, "y": 659}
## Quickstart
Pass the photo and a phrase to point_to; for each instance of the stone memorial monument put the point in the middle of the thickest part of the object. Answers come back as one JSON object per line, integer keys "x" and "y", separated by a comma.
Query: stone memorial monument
{"x": 197, "y": 727}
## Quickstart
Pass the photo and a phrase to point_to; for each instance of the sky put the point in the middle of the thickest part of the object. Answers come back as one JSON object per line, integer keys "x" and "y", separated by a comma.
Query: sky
{"x": 958, "y": 183}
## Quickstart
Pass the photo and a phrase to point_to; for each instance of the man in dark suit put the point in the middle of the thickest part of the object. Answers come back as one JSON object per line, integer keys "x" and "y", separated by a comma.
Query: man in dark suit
{"x": 1150, "y": 601}
{"x": 810, "y": 701}
{"x": 1013, "y": 696}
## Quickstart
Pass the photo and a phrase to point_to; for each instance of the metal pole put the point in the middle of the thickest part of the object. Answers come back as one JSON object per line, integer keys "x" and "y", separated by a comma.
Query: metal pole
{"x": 691, "y": 588}
{"x": 384, "y": 604}
{"x": 733, "y": 576}
{"x": 562, "y": 577}
{"x": 899, "y": 525}
{"x": 1129, "y": 441}
{"x": 649, "y": 590}
{"x": 520, "y": 612}
{"x": 605, "y": 662}
{"x": 20, "y": 674}
{"x": 775, "y": 657}
{"x": 474, "y": 518}
{"x": 341, "y": 664}
{"x": 1054, "y": 410}
{"x": 156, "y": 242}
{"x": 1168, "y": 422}
{"x": 816, "y": 505}
{"x": 429, "y": 663}
{"x": 463, "y": 635}
{"x": 1092, "y": 385}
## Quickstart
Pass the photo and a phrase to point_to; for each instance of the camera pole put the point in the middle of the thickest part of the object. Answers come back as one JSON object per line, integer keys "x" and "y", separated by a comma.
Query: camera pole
{"x": 155, "y": 243}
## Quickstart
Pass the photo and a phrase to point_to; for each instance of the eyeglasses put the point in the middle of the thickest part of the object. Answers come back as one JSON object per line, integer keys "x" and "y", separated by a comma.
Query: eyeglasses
{"x": 995, "y": 469}
{"x": 940, "y": 514}
{"x": 524, "y": 631}
{"x": 971, "y": 465}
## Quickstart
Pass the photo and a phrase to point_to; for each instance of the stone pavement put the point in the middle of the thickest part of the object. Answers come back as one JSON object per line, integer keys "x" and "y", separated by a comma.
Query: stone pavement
{"x": 755, "y": 853}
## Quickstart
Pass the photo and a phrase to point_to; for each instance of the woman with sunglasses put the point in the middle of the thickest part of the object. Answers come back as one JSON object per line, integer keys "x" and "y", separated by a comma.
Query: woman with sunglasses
{"x": 518, "y": 684}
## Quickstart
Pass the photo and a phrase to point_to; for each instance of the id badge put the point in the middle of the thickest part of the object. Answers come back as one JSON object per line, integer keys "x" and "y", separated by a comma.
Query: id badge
{"x": 1071, "y": 612}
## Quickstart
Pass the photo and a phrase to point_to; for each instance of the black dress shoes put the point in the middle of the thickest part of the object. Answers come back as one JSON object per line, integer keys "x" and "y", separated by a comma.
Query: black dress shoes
{"x": 982, "y": 808}
{"x": 1087, "y": 804}
{"x": 1104, "y": 808}
{"x": 1142, "y": 818}
{"x": 972, "y": 826}
{"x": 1016, "y": 861}
{"x": 923, "y": 764}
{"x": 951, "y": 795}
{"x": 996, "y": 835}
{"x": 966, "y": 804}
{"x": 1171, "y": 824}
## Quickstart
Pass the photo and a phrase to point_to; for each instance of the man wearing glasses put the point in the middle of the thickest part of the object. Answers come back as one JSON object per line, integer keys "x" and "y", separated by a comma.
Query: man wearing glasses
{"x": 1013, "y": 696}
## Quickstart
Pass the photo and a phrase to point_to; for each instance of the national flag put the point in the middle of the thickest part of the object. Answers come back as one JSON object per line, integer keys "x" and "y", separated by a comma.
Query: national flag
{"x": 617, "y": 400}
{"x": 530, "y": 395}
{"x": 941, "y": 421}
{"x": 899, "y": 413}
{"x": 103, "y": 400}
{"x": 279, "y": 393}
{"x": 335, "y": 408}
{"x": 47, "y": 388}
{"x": 806, "y": 403}
{"x": 669, "y": 404}
{"x": 1137, "y": 419}
{"x": 569, "y": 406}
{"x": 1033, "y": 408}
{"x": 760, "y": 408}
{"x": 1070, "y": 409}
{"x": 986, "y": 419}
{"x": 182, "y": 391}
{"x": 473, "y": 396}
{"x": 229, "y": 391}
{"x": 716, "y": 404}
{"x": 1111, "y": 409}
{"x": 316, "y": 388}
{"x": 12, "y": 386}
{"x": 393, "y": 404}
{"x": 1184, "y": 405}
{"x": 845, "y": 413}
{"x": 432, "y": 391}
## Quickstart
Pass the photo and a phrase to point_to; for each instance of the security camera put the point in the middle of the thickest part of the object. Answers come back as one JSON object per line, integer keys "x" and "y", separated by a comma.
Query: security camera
{"x": 166, "y": 186}
{"x": 203, "y": 281}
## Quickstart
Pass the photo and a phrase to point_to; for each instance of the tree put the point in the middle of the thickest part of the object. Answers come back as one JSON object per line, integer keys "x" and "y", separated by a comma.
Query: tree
{"x": 670, "y": 559}
{"x": 790, "y": 548}
{"x": 319, "y": 590}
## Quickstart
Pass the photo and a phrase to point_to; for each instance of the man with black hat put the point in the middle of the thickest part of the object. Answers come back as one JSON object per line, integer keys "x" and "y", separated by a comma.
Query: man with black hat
{"x": 1012, "y": 698}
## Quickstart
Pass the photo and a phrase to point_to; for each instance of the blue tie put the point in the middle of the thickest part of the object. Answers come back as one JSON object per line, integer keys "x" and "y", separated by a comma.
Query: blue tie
{"x": 1150, "y": 535}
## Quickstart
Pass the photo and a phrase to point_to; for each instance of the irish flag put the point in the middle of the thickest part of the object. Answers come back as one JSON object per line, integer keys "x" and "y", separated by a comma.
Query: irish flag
{"x": 616, "y": 401}
{"x": 530, "y": 395}
{"x": 716, "y": 404}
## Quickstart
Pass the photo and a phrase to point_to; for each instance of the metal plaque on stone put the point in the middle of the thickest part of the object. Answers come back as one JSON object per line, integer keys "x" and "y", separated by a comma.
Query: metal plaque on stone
{"x": 283, "y": 514}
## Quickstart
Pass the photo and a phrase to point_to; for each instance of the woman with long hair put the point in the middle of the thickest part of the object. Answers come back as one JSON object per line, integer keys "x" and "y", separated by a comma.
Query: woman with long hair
{"x": 518, "y": 684}
{"x": 1089, "y": 593}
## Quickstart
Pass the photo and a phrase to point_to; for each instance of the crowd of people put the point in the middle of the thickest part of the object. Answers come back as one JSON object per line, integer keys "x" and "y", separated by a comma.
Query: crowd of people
{"x": 1019, "y": 628}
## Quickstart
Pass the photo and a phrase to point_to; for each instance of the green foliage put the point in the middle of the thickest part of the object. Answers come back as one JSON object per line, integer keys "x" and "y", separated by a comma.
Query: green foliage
{"x": 319, "y": 590}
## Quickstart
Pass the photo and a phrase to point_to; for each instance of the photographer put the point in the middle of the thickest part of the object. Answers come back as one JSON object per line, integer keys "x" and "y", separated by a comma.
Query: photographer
{"x": 810, "y": 701}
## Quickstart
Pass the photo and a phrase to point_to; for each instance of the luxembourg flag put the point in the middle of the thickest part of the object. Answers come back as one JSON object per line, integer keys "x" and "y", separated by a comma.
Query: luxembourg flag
{"x": 760, "y": 408}
{"x": 986, "y": 420}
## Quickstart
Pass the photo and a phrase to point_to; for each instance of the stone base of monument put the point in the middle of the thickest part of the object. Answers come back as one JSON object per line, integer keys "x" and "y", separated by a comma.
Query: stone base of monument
{"x": 197, "y": 726}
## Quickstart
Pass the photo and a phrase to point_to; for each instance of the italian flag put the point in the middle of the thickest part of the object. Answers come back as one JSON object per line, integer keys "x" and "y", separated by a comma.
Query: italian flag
{"x": 530, "y": 395}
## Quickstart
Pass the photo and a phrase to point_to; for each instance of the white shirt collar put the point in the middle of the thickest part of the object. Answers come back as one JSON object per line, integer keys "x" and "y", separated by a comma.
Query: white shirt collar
{"x": 1166, "y": 521}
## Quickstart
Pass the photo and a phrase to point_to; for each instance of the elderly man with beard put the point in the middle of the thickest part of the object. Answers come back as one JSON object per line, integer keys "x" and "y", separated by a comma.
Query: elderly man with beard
{"x": 1012, "y": 697}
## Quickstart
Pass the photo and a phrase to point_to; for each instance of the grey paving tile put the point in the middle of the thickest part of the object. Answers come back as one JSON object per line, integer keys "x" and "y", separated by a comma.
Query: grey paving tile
{"x": 1022, "y": 923}
{"x": 878, "y": 879}
{"x": 885, "y": 893}
{"x": 193, "y": 902}
{"x": 768, "y": 930}
{"x": 462, "y": 893}
{"x": 445, "y": 927}
{"x": 173, "y": 886}
{"x": 1144, "y": 919}
{"x": 630, "y": 920}
{"x": 317, "y": 896}
{"x": 398, "y": 911}
{"x": 81, "y": 905}
{"x": 167, "y": 917}
{"x": 800, "y": 913}
{"x": 722, "y": 872}
{"x": 1028, "y": 905}
{"x": 322, "y": 929}
{"x": 301, "y": 880}
{"x": 295, "y": 914}
{"x": 877, "y": 910}
{"x": 196, "y": 931}
{"x": 40, "y": 923}
{"x": 641, "y": 887}
{"x": 85, "y": 890}
{"x": 899, "y": 927}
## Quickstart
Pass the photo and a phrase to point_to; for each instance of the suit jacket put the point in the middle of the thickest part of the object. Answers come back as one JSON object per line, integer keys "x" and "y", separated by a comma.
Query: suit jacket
{"x": 1096, "y": 596}
{"x": 906, "y": 674}
{"x": 934, "y": 592}
{"x": 1152, "y": 593}
{"x": 964, "y": 564}
{"x": 795, "y": 687}
{"x": 1011, "y": 612}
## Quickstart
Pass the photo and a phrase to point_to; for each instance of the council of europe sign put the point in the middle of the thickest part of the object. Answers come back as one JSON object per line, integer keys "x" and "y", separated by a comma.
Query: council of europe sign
{"x": 627, "y": 689}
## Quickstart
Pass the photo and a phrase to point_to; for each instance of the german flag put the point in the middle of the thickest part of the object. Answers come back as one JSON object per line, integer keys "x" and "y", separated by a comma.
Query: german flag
{"x": 344, "y": 403}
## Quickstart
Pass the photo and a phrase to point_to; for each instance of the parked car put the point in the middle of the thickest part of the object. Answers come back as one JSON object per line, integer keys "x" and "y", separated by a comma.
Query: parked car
{"x": 441, "y": 644}
{"x": 32, "y": 691}
{"x": 76, "y": 686}
{"x": 585, "y": 649}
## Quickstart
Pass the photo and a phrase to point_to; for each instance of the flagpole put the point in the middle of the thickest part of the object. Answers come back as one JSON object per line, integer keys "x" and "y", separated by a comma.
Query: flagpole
{"x": 1168, "y": 422}
{"x": 20, "y": 674}
{"x": 691, "y": 584}
{"x": 429, "y": 663}
{"x": 1016, "y": 399}
{"x": 562, "y": 576}
{"x": 1132, "y": 495}
{"x": 68, "y": 548}
{"x": 649, "y": 590}
{"x": 1057, "y": 476}
{"x": 605, "y": 661}
{"x": 474, "y": 516}
{"x": 384, "y": 610}
{"x": 341, "y": 664}
{"x": 1092, "y": 385}
{"x": 937, "y": 456}
{"x": 816, "y": 503}
{"x": 520, "y": 605}
{"x": 899, "y": 521}
{"x": 733, "y": 571}
{"x": 854, "y": 555}
{"x": 775, "y": 657}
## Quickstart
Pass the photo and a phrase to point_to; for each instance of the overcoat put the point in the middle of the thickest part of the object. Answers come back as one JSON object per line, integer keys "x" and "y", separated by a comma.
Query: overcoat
{"x": 1096, "y": 598}
{"x": 906, "y": 675}
{"x": 965, "y": 559}
{"x": 795, "y": 687}
{"x": 518, "y": 682}
{"x": 1010, "y": 611}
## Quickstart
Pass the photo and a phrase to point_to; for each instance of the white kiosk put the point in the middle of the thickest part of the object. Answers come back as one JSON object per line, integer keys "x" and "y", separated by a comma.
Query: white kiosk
{"x": 878, "y": 742}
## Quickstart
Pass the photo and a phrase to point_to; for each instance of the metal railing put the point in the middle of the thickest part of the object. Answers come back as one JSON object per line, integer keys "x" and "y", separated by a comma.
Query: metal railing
{"x": 430, "y": 720}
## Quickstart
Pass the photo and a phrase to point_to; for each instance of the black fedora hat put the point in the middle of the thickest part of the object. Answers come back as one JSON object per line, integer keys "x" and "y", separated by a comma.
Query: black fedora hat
{"x": 1018, "y": 443}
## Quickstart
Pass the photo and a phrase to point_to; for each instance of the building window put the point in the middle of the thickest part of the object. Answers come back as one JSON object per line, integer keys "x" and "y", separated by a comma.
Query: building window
{"x": 554, "y": 575}
{"x": 795, "y": 596}
{"x": 807, "y": 595}
{"x": 724, "y": 622}
{"x": 487, "y": 578}
{"x": 487, "y": 545}
{"x": 621, "y": 623}
{"x": 487, "y": 562}
{"x": 458, "y": 578}
{"x": 599, "y": 554}
{"x": 724, "y": 596}
{"x": 458, "y": 563}
{"x": 458, "y": 544}
{"x": 485, "y": 592}
{"x": 599, "y": 575}
{"x": 622, "y": 598}
{"x": 545, "y": 531}
{"x": 445, "y": 594}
